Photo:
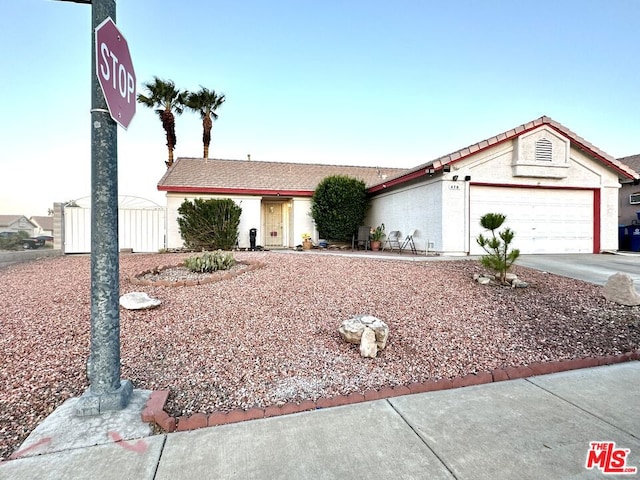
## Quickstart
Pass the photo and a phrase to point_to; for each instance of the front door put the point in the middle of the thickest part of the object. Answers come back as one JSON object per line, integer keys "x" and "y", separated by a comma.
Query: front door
{"x": 273, "y": 224}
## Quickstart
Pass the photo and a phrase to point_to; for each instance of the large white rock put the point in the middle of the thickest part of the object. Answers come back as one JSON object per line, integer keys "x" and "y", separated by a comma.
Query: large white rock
{"x": 368, "y": 345}
{"x": 619, "y": 289}
{"x": 351, "y": 330}
{"x": 138, "y": 301}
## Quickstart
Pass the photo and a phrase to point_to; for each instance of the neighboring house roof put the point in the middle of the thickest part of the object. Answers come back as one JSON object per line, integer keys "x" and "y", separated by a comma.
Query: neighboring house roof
{"x": 198, "y": 175}
{"x": 45, "y": 223}
{"x": 9, "y": 220}
{"x": 421, "y": 170}
{"x": 632, "y": 161}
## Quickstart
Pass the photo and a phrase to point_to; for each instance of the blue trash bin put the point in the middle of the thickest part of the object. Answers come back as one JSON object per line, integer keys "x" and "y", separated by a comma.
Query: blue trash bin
{"x": 634, "y": 232}
{"x": 623, "y": 237}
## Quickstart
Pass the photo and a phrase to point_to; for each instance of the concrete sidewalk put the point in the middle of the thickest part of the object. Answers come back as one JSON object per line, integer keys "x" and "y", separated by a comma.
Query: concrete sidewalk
{"x": 534, "y": 428}
{"x": 588, "y": 267}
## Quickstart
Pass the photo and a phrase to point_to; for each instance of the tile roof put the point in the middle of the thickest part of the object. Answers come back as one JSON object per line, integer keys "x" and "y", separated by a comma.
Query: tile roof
{"x": 44, "y": 222}
{"x": 256, "y": 177}
{"x": 632, "y": 161}
{"x": 6, "y": 220}
{"x": 577, "y": 141}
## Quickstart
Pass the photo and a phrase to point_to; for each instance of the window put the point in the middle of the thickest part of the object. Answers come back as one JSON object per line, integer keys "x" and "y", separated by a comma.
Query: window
{"x": 634, "y": 198}
{"x": 543, "y": 150}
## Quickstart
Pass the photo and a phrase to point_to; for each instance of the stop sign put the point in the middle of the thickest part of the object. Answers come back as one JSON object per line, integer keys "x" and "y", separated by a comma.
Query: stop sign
{"x": 115, "y": 72}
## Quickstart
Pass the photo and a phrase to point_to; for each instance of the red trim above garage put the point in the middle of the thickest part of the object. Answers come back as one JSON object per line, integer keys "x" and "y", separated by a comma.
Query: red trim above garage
{"x": 596, "y": 220}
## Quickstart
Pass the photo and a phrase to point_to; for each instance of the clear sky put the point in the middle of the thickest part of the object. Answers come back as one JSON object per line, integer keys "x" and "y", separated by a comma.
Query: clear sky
{"x": 353, "y": 82}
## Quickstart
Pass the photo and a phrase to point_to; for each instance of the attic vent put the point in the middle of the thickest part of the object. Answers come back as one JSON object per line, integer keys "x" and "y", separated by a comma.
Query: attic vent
{"x": 634, "y": 198}
{"x": 543, "y": 150}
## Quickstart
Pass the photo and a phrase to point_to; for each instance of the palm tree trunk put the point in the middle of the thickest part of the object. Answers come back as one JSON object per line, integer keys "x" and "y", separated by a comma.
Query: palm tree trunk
{"x": 168, "y": 123}
{"x": 170, "y": 161}
{"x": 207, "y": 124}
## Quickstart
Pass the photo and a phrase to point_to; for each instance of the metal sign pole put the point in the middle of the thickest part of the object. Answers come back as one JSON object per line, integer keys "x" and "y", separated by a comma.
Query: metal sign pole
{"x": 106, "y": 391}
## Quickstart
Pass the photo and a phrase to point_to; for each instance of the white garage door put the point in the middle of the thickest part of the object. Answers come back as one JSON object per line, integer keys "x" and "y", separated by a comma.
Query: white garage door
{"x": 544, "y": 220}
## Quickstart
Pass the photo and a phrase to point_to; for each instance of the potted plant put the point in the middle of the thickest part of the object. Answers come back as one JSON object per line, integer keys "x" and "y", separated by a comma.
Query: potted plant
{"x": 306, "y": 241}
{"x": 376, "y": 236}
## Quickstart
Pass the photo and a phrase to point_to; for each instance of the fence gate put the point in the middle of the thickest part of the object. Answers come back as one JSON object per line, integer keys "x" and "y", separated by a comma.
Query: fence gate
{"x": 141, "y": 225}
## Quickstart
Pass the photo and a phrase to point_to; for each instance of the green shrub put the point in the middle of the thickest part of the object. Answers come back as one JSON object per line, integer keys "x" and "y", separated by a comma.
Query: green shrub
{"x": 209, "y": 224}
{"x": 339, "y": 206}
{"x": 499, "y": 257}
{"x": 210, "y": 262}
{"x": 13, "y": 241}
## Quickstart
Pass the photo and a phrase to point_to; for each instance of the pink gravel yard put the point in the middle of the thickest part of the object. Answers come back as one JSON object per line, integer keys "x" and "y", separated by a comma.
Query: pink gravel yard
{"x": 268, "y": 336}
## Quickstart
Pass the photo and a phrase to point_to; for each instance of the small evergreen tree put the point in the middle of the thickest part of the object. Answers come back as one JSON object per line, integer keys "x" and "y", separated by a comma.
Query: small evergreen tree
{"x": 339, "y": 206}
{"x": 498, "y": 257}
{"x": 209, "y": 224}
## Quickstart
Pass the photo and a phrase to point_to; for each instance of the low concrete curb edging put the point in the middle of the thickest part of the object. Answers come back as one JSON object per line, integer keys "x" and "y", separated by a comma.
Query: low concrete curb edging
{"x": 154, "y": 408}
{"x": 224, "y": 275}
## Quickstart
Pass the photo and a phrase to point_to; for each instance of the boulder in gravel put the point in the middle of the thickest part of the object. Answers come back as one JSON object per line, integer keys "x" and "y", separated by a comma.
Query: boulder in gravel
{"x": 510, "y": 277}
{"x": 517, "y": 283}
{"x": 351, "y": 330}
{"x": 619, "y": 289}
{"x": 368, "y": 346}
{"x": 138, "y": 301}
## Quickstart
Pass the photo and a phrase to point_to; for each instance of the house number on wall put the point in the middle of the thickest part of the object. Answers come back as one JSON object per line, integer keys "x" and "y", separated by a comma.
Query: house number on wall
{"x": 454, "y": 186}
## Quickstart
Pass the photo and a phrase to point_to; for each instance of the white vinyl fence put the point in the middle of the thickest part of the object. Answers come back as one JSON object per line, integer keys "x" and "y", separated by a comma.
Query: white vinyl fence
{"x": 141, "y": 225}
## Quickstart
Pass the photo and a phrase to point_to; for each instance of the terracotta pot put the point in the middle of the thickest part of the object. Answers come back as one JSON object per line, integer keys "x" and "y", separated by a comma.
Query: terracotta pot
{"x": 307, "y": 244}
{"x": 375, "y": 245}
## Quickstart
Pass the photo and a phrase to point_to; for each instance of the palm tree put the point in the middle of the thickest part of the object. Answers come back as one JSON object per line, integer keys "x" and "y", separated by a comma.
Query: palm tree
{"x": 205, "y": 102}
{"x": 163, "y": 94}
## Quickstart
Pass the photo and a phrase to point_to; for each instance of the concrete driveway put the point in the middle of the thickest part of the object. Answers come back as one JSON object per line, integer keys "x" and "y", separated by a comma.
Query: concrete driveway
{"x": 588, "y": 267}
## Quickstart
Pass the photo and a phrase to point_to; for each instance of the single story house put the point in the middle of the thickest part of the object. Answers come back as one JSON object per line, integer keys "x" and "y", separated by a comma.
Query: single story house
{"x": 629, "y": 203}
{"x": 44, "y": 225}
{"x": 558, "y": 191}
{"x": 17, "y": 223}
{"x": 275, "y": 197}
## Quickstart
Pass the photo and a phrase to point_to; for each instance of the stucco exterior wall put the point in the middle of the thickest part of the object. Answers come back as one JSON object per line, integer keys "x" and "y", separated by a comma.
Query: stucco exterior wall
{"x": 250, "y": 217}
{"x": 439, "y": 206}
{"x": 455, "y": 218}
{"x": 627, "y": 211}
{"x": 298, "y": 219}
{"x": 302, "y": 222}
{"x": 417, "y": 207}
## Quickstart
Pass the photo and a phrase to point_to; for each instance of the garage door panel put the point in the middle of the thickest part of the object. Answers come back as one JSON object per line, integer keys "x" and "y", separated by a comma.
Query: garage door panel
{"x": 544, "y": 220}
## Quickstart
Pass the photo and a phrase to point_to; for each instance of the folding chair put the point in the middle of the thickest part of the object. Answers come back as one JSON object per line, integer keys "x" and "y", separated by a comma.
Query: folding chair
{"x": 408, "y": 242}
{"x": 362, "y": 240}
{"x": 393, "y": 240}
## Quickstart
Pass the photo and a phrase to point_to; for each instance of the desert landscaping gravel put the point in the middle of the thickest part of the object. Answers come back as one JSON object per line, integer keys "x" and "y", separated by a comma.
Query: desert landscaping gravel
{"x": 269, "y": 335}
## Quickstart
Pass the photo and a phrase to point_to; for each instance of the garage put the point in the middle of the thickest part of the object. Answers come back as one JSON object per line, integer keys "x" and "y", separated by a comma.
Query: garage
{"x": 545, "y": 220}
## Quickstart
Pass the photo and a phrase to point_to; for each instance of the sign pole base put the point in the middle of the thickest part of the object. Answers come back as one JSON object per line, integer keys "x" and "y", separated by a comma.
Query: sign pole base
{"x": 91, "y": 403}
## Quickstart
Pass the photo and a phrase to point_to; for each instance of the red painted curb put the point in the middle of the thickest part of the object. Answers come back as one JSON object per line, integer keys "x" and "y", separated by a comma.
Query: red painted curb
{"x": 499, "y": 375}
{"x": 153, "y": 410}
{"x": 217, "y": 419}
{"x": 164, "y": 421}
